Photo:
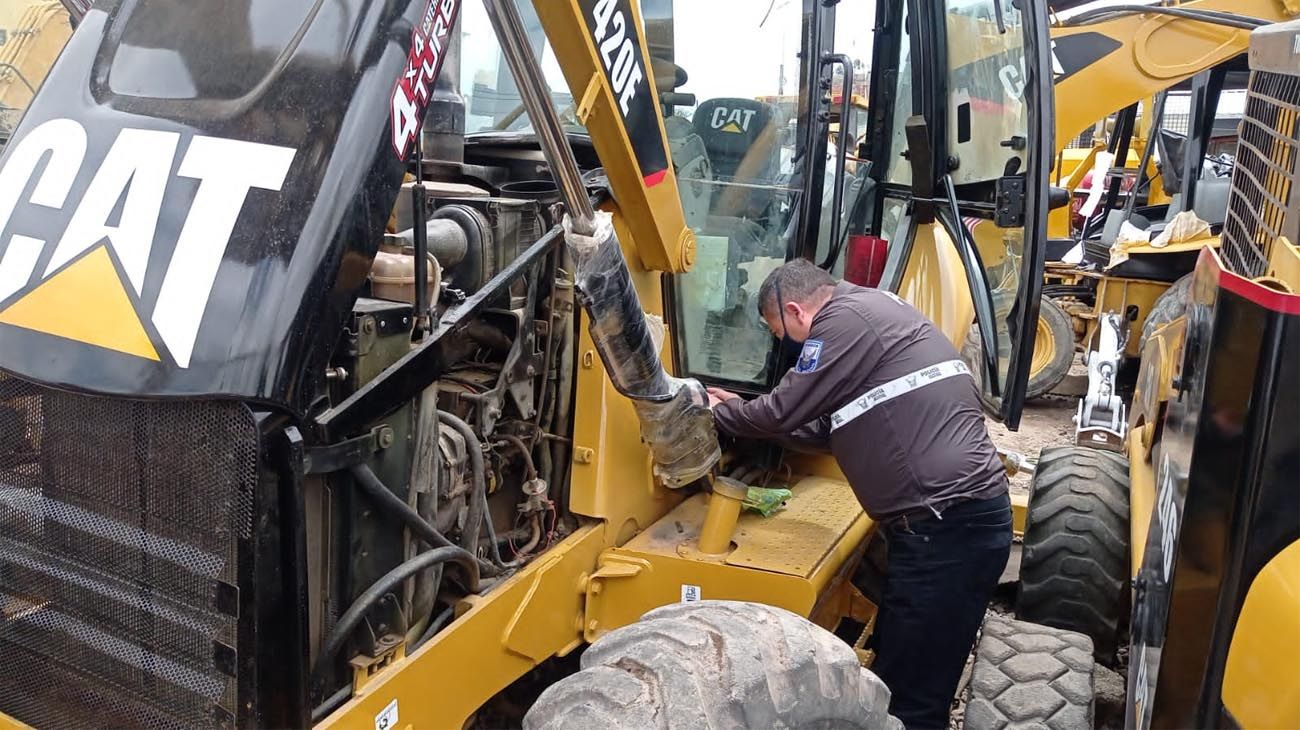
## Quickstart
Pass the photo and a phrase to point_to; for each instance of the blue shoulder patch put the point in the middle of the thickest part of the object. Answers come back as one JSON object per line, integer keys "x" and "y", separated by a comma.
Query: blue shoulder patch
{"x": 809, "y": 357}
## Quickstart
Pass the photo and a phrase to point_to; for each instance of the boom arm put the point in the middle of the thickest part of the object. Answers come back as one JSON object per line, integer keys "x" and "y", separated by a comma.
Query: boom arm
{"x": 607, "y": 66}
{"x": 1103, "y": 67}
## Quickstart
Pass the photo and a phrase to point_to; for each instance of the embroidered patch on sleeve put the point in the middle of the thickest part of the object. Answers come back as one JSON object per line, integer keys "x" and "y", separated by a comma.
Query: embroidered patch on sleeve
{"x": 809, "y": 357}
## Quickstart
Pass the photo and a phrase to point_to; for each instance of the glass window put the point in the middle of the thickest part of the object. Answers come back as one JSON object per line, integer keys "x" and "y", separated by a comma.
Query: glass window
{"x": 739, "y": 167}
{"x": 988, "y": 119}
{"x": 854, "y": 20}
{"x": 988, "y": 133}
{"x": 900, "y": 170}
{"x": 492, "y": 101}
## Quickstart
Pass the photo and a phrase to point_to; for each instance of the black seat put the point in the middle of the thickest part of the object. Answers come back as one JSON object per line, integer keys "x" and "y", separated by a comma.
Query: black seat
{"x": 733, "y": 129}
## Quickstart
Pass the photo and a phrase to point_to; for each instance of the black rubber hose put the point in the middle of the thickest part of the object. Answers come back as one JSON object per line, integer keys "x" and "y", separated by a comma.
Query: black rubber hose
{"x": 331, "y": 703}
{"x": 494, "y": 549}
{"x": 1101, "y": 15}
{"x": 522, "y": 448}
{"x": 434, "y": 626}
{"x": 391, "y": 580}
{"x": 478, "y": 497}
{"x": 380, "y": 494}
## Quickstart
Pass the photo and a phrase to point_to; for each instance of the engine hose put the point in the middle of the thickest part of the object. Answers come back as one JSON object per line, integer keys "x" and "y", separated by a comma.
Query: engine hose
{"x": 331, "y": 703}
{"x": 391, "y": 580}
{"x": 383, "y": 497}
{"x": 478, "y": 497}
{"x": 436, "y": 624}
{"x": 523, "y": 449}
{"x": 1104, "y": 14}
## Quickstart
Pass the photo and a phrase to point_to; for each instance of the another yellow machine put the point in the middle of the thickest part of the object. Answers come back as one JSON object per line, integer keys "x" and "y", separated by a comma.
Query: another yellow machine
{"x": 33, "y": 35}
{"x": 1106, "y": 61}
{"x": 266, "y": 462}
{"x": 1185, "y": 543}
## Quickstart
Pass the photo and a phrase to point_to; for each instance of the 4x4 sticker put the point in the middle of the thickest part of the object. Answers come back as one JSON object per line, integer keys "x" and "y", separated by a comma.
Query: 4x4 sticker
{"x": 412, "y": 90}
{"x": 91, "y": 285}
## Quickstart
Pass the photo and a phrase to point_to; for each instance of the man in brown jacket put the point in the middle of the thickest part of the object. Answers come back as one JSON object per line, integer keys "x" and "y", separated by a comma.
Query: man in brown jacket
{"x": 880, "y": 386}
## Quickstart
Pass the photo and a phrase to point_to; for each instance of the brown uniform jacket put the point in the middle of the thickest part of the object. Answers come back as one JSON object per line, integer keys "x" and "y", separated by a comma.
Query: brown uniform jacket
{"x": 921, "y": 450}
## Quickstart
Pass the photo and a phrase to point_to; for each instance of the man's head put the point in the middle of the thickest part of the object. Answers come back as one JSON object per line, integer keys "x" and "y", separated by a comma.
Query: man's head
{"x": 791, "y": 296}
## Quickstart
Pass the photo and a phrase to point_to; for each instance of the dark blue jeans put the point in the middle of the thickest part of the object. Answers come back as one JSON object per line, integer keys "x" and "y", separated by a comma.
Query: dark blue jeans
{"x": 941, "y": 575}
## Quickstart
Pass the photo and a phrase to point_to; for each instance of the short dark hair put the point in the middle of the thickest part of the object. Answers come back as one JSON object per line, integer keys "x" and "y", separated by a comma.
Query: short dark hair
{"x": 799, "y": 280}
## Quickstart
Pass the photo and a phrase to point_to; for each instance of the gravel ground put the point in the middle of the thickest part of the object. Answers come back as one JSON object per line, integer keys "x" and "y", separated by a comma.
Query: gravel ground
{"x": 1044, "y": 422}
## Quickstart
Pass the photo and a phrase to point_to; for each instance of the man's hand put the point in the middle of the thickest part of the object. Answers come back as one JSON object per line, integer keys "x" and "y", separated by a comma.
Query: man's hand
{"x": 718, "y": 395}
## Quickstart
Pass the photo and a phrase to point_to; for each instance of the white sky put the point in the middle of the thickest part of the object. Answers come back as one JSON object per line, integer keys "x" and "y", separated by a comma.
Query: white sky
{"x": 720, "y": 43}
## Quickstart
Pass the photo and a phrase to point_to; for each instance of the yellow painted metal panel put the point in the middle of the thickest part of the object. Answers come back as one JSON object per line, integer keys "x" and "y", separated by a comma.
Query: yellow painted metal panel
{"x": 1259, "y": 681}
{"x": 786, "y": 560}
{"x": 535, "y": 614}
{"x": 1141, "y": 500}
{"x": 934, "y": 281}
{"x": 1284, "y": 263}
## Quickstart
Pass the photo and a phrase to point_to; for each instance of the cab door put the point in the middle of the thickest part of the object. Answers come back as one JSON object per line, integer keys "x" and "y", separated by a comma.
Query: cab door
{"x": 959, "y": 148}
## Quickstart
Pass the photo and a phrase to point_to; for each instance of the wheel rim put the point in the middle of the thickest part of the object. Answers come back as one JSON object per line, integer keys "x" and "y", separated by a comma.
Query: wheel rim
{"x": 1044, "y": 347}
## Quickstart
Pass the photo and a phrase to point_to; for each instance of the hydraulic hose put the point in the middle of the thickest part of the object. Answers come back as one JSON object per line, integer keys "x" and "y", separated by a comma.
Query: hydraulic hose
{"x": 391, "y": 580}
{"x": 478, "y": 490}
{"x": 372, "y": 486}
{"x": 331, "y": 703}
{"x": 1101, "y": 15}
{"x": 436, "y": 624}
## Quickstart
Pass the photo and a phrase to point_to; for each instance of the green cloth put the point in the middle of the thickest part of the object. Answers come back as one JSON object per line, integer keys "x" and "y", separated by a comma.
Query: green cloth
{"x": 766, "y": 501}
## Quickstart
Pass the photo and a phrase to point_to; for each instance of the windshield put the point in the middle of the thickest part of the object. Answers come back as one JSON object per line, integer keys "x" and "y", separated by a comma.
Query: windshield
{"x": 731, "y": 104}
{"x": 31, "y": 37}
{"x": 734, "y": 137}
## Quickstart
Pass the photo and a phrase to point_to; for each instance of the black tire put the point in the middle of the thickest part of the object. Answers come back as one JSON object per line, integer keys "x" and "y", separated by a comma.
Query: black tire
{"x": 1166, "y": 308}
{"x": 716, "y": 664}
{"x": 1074, "y": 569}
{"x": 1050, "y": 374}
{"x": 1028, "y": 675}
{"x": 1061, "y": 327}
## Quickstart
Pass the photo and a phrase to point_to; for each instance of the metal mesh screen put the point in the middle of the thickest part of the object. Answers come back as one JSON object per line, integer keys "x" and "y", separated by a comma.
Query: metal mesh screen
{"x": 1264, "y": 202}
{"x": 120, "y": 524}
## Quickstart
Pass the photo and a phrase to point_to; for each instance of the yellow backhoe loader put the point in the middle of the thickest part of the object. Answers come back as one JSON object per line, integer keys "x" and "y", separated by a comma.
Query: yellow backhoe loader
{"x": 285, "y": 440}
{"x": 1105, "y": 62}
{"x": 1184, "y": 546}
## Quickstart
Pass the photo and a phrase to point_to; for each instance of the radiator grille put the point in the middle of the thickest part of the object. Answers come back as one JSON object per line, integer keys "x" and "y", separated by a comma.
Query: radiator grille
{"x": 120, "y": 526}
{"x": 1265, "y": 201}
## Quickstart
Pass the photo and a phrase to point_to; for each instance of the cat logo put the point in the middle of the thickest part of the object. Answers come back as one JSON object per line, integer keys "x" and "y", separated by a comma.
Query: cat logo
{"x": 735, "y": 121}
{"x": 89, "y": 284}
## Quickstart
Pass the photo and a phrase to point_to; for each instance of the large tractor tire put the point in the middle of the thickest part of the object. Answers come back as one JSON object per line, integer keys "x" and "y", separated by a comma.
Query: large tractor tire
{"x": 716, "y": 664}
{"x": 1166, "y": 308}
{"x": 1027, "y": 675}
{"x": 1074, "y": 566}
{"x": 1053, "y": 346}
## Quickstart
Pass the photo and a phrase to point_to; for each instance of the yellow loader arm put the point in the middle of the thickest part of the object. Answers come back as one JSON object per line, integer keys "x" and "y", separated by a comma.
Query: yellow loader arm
{"x": 1103, "y": 67}
{"x": 603, "y": 57}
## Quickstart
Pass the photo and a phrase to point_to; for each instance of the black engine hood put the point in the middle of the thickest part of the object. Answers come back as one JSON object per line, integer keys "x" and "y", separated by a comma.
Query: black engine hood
{"x": 194, "y": 198}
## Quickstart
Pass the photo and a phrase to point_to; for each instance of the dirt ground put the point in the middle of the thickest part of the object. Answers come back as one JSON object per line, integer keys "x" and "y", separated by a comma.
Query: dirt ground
{"x": 1044, "y": 422}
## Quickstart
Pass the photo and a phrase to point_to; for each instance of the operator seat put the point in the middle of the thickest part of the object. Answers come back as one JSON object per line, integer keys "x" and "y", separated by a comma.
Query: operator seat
{"x": 741, "y": 138}
{"x": 743, "y": 141}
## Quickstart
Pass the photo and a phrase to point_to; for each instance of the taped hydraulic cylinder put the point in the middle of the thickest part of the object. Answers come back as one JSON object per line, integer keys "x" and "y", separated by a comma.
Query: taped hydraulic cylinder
{"x": 675, "y": 418}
